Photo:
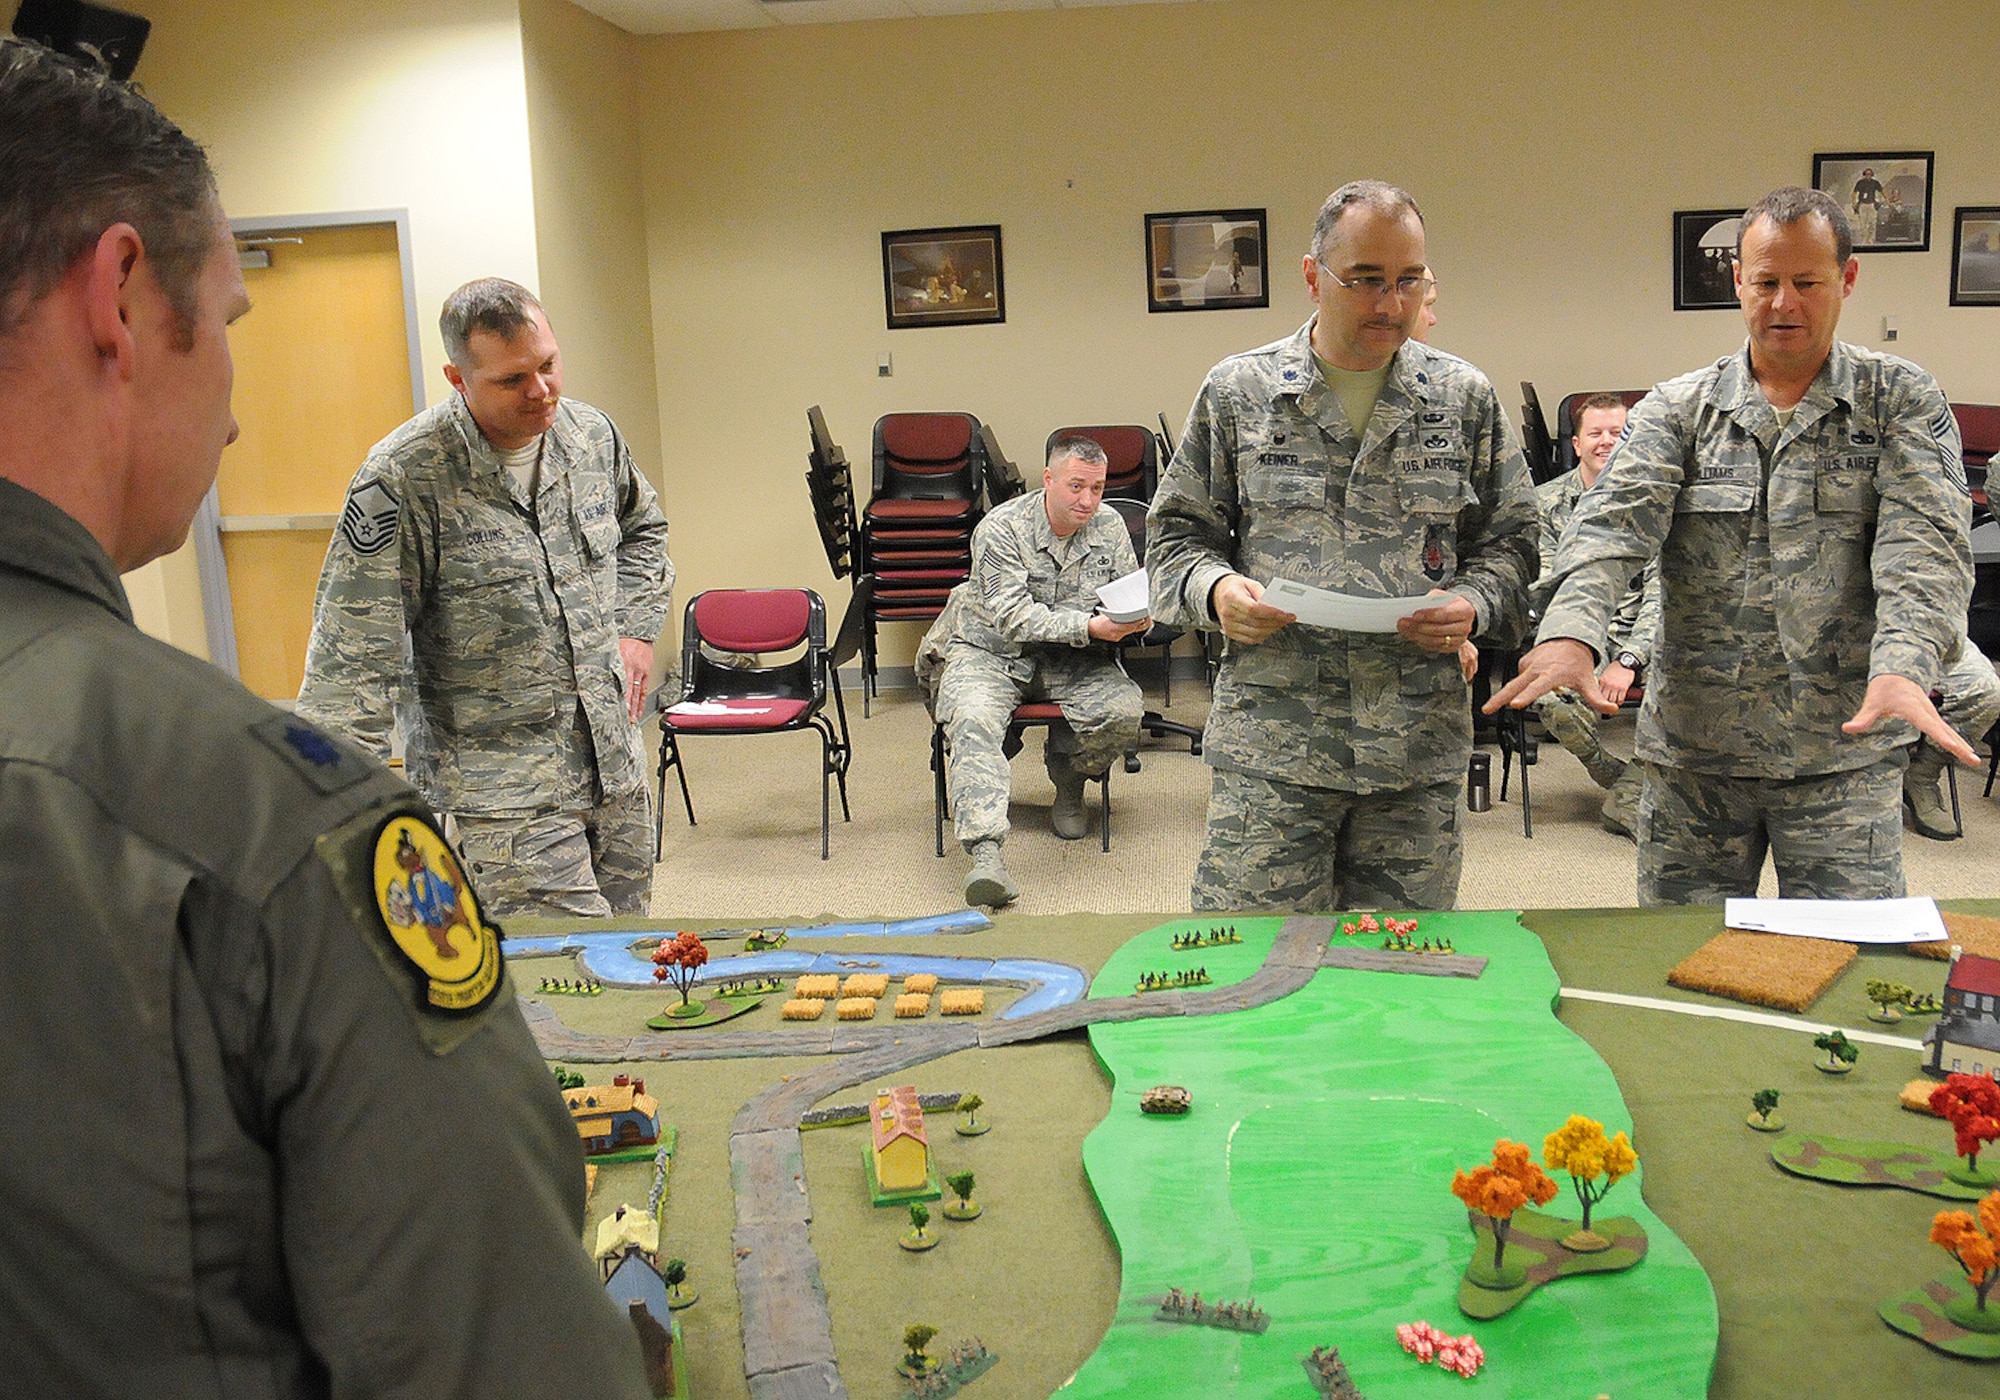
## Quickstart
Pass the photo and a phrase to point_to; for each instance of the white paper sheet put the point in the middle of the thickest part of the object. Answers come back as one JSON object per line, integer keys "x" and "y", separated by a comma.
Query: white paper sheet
{"x": 1343, "y": 612}
{"x": 711, "y": 707}
{"x": 1913, "y": 920}
{"x": 1126, "y": 599}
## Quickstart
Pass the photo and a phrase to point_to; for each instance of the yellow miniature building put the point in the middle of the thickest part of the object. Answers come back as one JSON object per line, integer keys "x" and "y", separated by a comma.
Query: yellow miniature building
{"x": 913, "y": 1005}
{"x": 902, "y": 1151}
{"x": 925, "y": 982}
{"x": 615, "y": 1115}
{"x": 803, "y": 1009}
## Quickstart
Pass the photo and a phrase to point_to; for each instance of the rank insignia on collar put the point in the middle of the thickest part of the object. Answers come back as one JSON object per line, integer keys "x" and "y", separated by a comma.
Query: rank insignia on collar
{"x": 432, "y": 915}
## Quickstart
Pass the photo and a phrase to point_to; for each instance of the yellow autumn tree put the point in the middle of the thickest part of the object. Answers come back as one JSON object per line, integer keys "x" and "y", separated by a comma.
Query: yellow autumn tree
{"x": 1594, "y": 1164}
{"x": 1498, "y": 1188}
{"x": 1974, "y": 1244}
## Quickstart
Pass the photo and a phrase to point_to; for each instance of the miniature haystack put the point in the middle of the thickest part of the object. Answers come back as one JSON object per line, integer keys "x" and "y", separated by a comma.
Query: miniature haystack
{"x": 925, "y": 982}
{"x": 962, "y": 1001}
{"x": 1975, "y": 933}
{"x": 911, "y": 1006}
{"x": 855, "y": 1008}
{"x": 1916, "y": 1097}
{"x": 803, "y": 1009}
{"x": 823, "y": 985}
{"x": 865, "y": 984}
{"x": 1764, "y": 969}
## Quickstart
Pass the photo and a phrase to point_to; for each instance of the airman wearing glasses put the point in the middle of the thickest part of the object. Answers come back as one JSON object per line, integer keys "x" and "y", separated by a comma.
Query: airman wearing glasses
{"x": 1354, "y": 458}
{"x": 1808, "y": 507}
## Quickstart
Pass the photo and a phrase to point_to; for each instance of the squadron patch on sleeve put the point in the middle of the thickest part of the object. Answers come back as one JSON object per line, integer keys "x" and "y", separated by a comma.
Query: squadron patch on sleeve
{"x": 368, "y": 520}
{"x": 432, "y": 915}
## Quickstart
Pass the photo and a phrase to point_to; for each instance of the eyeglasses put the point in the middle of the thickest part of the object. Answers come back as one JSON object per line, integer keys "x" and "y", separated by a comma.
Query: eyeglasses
{"x": 1373, "y": 288}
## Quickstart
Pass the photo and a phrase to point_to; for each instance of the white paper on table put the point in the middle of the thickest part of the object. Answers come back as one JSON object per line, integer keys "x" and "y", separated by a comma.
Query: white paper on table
{"x": 1913, "y": 920}
{"x": 1343, "y": 612}
{"x": 1126, "y": 599}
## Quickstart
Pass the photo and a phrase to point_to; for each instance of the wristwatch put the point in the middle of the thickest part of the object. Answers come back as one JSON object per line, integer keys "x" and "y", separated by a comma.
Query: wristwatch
{"x": 1629, "y": 661}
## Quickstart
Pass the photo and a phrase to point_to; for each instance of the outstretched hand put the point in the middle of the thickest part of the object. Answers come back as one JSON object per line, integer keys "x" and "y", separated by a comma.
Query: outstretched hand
{"x": 1558, "y": 664}
{"x": 1899, "y": 697}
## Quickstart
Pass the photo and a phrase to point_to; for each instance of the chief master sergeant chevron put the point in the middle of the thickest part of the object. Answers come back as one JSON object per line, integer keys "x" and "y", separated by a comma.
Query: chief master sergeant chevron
{"x": 506, "y": 534}
{"x": 1808, "y": 506}
{"x": 1352, "y": 458}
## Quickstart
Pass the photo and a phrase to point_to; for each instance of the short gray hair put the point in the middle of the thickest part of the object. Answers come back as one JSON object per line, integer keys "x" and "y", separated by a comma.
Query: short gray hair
{"x": 80, "y": 152}
{"x": 1087, "y": 450}
{"x": 1378, "y": 195}
{"x": 491, "y": 304}
{"x": 1792, "y": 204}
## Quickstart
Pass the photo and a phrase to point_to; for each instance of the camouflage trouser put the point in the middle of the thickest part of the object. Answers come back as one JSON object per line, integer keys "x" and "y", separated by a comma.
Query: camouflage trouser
{"x": 1703, "y": 837}
{"x": 975, "y": 698}
{"x": 591, "y": 863}
{"x": 1970, "y": 695}
{"x": 1274, "y": 845}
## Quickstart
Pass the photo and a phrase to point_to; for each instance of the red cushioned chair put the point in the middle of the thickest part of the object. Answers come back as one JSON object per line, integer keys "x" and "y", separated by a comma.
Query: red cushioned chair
{"x": 758, "y": 699}
{"x": 1035, "y": 714}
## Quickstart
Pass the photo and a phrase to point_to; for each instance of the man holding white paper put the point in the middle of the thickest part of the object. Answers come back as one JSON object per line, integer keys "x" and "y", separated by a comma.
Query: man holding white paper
{"x": 1351, "y": 458}
{"x": 1025, "y": 626}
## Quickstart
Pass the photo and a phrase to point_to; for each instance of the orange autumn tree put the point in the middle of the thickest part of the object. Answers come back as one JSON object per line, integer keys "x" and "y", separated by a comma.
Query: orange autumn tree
{"x": 1498, "y": 1188}
{"x": 1974, "y": 1250}
{"x": 679, "y": 960}
{"x": 1580, "y": 1148}
{"x": 1971, "y": 1104}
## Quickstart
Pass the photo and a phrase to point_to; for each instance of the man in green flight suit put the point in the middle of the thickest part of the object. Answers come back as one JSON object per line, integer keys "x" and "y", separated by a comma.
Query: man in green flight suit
{"x": 263, "y": 1137}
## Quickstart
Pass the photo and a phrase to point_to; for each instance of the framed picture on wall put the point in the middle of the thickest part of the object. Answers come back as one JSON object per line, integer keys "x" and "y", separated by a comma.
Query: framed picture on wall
{"x": 1704, "y": 247}
{"x": 1887, "y": 196}
{"x": 943, "y": 277}
{"x": 1212, "y": 260}
{"x": 1975, "y": 256}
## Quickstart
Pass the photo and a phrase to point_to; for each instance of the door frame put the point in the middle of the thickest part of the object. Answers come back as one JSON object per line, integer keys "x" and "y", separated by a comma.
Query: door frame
{"x": 218, "y": 609}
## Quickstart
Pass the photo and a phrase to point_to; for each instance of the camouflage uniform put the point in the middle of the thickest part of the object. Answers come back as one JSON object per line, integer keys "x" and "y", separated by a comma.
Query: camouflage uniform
{"x": 1634, "y": 628}
{"x": 512, "y": 697}
{"x": 1358, "y": 739}
{"x": 1795, "y": 565}
{"x": 308, "y": 1180}
{"x": 1018, "y": 629}
{"x": 1969, "y": 701}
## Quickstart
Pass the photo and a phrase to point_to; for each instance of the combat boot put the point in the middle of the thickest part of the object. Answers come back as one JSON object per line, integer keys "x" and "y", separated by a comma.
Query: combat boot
{"x": 989, "y": 883}
{"x": 1574, "y": 725}
{"x": 1067, "y": 815}
{"x": 1921, "y": 798}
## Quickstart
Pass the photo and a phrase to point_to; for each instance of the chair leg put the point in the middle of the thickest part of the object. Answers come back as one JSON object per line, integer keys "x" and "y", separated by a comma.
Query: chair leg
{"x": 670, "y": 757}
{"x": 1527, "y": 803}
{"x": 937, "y": 785}
{"x": 825, "y": 797}
{"x": 843, "y": 749}
{"x": 1951, "y": 786}
{"x": 1104, "y": 807}
{"x": 1992, "y": 761}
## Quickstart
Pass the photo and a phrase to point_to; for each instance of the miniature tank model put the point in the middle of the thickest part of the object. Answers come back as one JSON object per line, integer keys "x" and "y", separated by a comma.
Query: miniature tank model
{"x": 1166, "y": 1098}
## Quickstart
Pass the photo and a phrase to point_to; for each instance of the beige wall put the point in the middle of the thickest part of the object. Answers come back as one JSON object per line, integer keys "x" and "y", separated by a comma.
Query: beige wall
{"x": 584, "y": 119}
{"x": 1549, "y": 152}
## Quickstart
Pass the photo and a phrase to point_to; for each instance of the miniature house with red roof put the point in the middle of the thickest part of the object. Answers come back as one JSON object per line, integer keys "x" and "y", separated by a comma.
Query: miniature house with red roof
{"x": 902, "y": 1151}
{"x": 1966, "y": 1039}
{"x": 613, "y": 1116}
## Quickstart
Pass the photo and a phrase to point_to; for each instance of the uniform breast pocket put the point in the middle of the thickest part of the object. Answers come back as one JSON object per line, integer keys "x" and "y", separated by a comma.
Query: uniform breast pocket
{"x": 1716, "y": 497}
{"x": 1279, "y": 488}
{"x": 484, "y": 605}
{"x": 600, "y": 539}
{"x": 1432, "y": 495}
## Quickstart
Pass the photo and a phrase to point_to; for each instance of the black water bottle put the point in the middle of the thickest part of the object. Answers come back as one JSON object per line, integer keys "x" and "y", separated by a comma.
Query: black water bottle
{"x": 1479, "y": 783}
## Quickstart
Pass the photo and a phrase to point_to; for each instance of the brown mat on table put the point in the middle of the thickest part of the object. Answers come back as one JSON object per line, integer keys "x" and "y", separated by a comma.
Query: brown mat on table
{"x": 1975, "y": 933}
{"x": 1764, "y": 969}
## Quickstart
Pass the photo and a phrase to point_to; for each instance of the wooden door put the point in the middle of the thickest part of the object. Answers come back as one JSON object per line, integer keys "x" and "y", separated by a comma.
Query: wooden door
{"x": 322, "y": 374}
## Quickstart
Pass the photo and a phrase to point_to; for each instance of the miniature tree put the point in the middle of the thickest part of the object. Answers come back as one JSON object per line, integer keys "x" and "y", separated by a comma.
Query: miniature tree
{"x": 1975, "y": 1251}
{"x": 1971, "y": 1104}
{"x": 916, "y": 1337}
{"x": 678, "y": 962}
{"x": 566, "y": 1078}
{"x": 961, "y": 1184}
{"x": 1763, "y": 1102}
{"x": 1841, "y": 1053}
{"x": 969, "y": 1106}
{"x": 674, "y": 1276}
{"x": 1580, "y": 1148}
{"x": 1888, "y": 997}
{"x": 1497, "y": 1189}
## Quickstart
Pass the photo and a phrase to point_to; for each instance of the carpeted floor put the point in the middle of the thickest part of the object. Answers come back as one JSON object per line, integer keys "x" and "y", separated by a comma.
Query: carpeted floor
{"x": 755, "y": 853}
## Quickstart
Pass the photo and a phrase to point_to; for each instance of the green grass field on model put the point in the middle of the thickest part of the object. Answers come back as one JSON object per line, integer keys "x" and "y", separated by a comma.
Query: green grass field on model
{"x": 1313, "y": 1175}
